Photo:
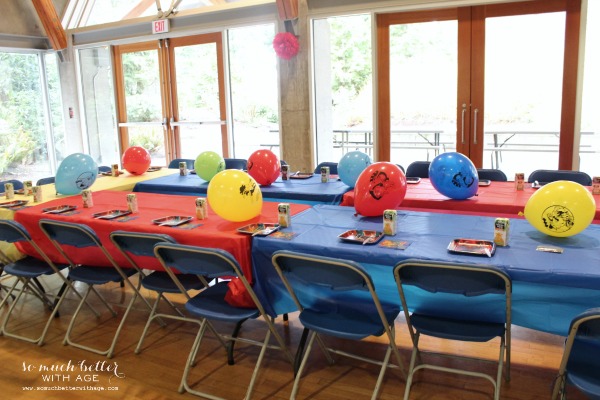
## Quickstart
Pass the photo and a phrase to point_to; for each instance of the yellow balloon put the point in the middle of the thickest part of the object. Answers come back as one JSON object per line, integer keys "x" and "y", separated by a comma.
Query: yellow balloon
{"x": 234, "y": 195}
{"x": 561, "y": 208}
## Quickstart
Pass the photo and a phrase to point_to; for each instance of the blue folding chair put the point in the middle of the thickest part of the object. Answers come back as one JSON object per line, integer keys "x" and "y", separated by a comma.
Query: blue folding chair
{"x": 346, "y": 307}
{"x": 104, "y": 168}
{"x": 138, "y": 244}
{"x": 17, "y": 185}
{"x": 580, "y": 365}
{"x": 46, "y": 181}
{"x": 491, "y": 174}
{"x": 459, "y": 302}
{"x": 418, "y": 169}
{"x": 188, "y": 161}
{"x": 548, "y": 175}
{"x": 333, "y": 167}
{"x": 27, "y": 270}
{"x": 69, "y": 237}
{"x": 236, "y": 163}
{"x": 210, "y": 304}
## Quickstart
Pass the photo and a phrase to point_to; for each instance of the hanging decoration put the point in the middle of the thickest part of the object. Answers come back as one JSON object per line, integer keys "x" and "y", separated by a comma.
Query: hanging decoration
{"x": 286, "y": 45}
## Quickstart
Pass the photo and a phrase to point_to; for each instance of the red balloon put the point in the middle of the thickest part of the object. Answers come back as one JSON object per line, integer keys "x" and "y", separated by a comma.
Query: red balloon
{"x": 264, "y": 167}
{"x": 136, "y": 160}
{"x": 381, "y": 186}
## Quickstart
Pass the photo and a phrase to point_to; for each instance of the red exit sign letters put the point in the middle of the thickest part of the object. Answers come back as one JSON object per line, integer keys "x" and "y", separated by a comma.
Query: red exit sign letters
{"x": 160, "y": 26}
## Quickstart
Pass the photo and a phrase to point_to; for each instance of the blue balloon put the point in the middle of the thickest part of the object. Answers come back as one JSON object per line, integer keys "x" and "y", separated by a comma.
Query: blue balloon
{"x": 351, "y": 165}
{"x": 454, "y": 175}
{"x": 76, "y": 172}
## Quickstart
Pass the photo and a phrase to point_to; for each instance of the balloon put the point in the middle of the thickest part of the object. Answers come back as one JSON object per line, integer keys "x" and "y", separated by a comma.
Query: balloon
{"x": 264, "y": 166}
{"x": 234, "y": 195}
{"x": 351, "y": 165}
{"x": 136, "y": 160}
{"x": 561, "y": 208}
{"x": 76, "y": 172}
{"x": 208, "y": 164}
{"x": 381, "y": 186}
{"x": 454, "y": 175}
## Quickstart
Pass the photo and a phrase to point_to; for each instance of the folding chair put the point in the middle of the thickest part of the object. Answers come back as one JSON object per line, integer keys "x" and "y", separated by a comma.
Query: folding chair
{"x": 548, "y": 175}
{"x": 347, "y": 307}
{"x": 458, "y": 302}
{"x": 418, "y": 169}
{"x": 332, "y": 167}
{"x": 68, "y": 237}
{"x": 236, "y": 163}
{"x": 142, "y": 245}
{"x": 210, "y": 304}
{"x": 27, "y": 270}
{"x": 46, "y": 181}
{"x": 491, "y": 174}
{"x": 188, "y": 161}
{"x": 580, "y": 365}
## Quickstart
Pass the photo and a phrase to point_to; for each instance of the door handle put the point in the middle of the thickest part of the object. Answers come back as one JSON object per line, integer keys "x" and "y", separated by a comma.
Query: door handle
{"x": 476, "y": 112}
{"x": 462, "y": 123}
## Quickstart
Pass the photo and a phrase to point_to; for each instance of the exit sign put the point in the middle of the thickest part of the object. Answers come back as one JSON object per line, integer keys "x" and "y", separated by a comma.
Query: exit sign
{"x": 160, "y": 26}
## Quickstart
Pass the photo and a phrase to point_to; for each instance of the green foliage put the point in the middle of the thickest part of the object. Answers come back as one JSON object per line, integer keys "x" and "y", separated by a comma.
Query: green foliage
{"x": 151, "y": 141}
{"x": 20, "y": 108}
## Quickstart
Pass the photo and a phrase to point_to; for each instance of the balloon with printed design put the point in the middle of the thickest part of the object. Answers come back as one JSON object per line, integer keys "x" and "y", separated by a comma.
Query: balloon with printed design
{"x": 454, "y": 175}
{"x": 264, "y": 167}
{"x": 234, "y": 195}
{"x": 75, "y": 173}
{"x": 381, "y": 186}
{"x": 561, "y": 208}
{"x": 351, "y": 165}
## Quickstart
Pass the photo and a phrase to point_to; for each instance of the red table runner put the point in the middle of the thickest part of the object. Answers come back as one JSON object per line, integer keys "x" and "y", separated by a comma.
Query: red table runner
{"x": 211, "y": 232}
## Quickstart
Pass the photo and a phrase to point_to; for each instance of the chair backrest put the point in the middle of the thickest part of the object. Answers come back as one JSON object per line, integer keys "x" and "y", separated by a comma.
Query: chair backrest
{"x": 236, "y": 163}
{"x": 13, "y": 232}
{"x": 212, "y": 263}
{"x": 548, "y": 175}
{"x": 46, "y": 181}
{"x": 401, "y": 167}
{"x": 492, "y": 174}
{"x": 333, "y": 167}
{"x": 76, "y": 235}
{"x": 138, "y": 244}
{"x": 418, "y": 169}
{"x": 17, "y": 185}
{"x": 467, "y": 280}
{"x": 104, "y": 168}
{"x": 582, "y": 353}
{"x": 175, "y": 163}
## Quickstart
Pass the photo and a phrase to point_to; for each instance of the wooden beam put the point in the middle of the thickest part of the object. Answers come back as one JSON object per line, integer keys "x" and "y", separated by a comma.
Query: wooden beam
{"x": 47, "y": 13}
{"x": 288, "y": 9}
{"x": 138, "y": 9}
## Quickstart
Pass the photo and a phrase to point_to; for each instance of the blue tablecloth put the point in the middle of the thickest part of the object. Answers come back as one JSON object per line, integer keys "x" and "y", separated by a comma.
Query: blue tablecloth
{"x": 549, "y": 289}
{"x": 306, "y": 191}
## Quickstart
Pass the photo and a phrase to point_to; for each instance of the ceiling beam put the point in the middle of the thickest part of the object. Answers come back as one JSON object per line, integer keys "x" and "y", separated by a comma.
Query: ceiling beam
{"x": 47, "y": 13}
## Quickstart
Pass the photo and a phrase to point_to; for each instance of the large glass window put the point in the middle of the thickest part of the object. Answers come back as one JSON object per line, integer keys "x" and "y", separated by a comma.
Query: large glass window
{"x": 589, "y": 149}
{"x": 99, "y": 104}
{"x": 343, "y": 92}
{"x": 30, "y": 110}
{"x": 253, "y": 72}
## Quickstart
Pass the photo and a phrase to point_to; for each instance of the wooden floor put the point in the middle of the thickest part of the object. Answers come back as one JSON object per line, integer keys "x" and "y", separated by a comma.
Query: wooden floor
{"x": 156, "y": 372}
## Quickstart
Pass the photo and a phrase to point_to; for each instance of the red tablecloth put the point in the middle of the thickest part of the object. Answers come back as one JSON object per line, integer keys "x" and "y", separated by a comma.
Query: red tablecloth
{"x": 499, "y": 197}
{"x": 211, "y": 232}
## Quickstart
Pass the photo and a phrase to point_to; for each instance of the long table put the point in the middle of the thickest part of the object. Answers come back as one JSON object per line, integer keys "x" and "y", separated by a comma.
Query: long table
{"x": 549, "y": 289}
{"x": 498, "y": 197}
{"x": 125, "y": 181}
{"x": 303, "y": 191}
{"x": 211, "y": 232}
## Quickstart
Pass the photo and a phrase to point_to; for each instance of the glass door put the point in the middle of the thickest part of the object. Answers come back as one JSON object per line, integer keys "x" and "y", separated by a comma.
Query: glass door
{"x": 170, "y": 97}
{"x": 490, "y": 82}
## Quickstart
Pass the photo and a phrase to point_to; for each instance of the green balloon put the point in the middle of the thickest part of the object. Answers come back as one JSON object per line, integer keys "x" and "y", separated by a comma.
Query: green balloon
{"x": 208, "y": 164}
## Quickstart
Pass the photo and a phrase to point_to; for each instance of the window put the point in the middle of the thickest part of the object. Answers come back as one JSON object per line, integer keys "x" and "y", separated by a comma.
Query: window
{"x": 343, "y": 92}
{"x": 31, "y": 116}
